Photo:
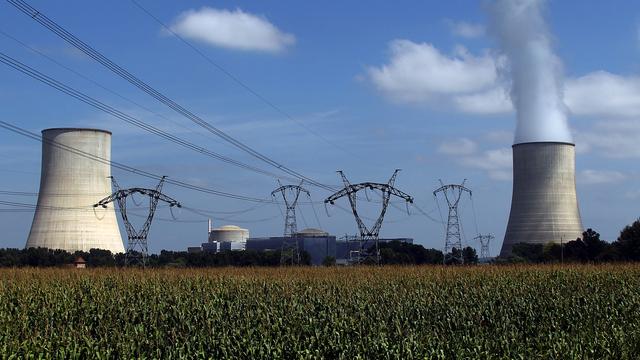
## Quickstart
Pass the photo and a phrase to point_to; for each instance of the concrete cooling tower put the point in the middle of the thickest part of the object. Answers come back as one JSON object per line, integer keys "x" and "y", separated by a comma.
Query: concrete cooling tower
{"x": 69, "y": 186}
{"x": 544, "y": 206}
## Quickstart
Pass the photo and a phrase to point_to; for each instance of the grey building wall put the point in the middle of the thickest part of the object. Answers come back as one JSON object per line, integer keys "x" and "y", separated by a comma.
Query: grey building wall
{"x": 544, "y": 205}
{"x": 318, "y": 247}
{"x": 210, "y": 247}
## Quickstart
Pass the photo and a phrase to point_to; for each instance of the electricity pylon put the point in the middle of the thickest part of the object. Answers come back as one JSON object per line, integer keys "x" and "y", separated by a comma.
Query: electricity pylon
{"x": 137, "y": 248}
{"x": 290, "y": 252}
{"x": 484, "y": 244}
{"x": 453, "y": 237}
{"x": 364, "y": 254}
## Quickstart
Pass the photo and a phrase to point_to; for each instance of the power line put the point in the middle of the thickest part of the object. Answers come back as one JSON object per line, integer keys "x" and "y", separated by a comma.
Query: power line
{"x": 213, "y": 213}
{"x": 237, "y": 80}
{"x": 35, "y": 74}
{"x": 29, "y": 208}
{"x": 94, "y": 82}
{"x": 120, "y": 166}
{"x": 115, "y": 68}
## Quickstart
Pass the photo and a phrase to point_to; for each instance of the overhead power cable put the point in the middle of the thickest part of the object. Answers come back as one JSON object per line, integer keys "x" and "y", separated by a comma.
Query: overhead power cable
{"x": 235, "y": 79}
{"x": 35, "y": 74}
{"x": 115, "y": 68}
{"x": 426, "y": 214}
{"x": 103, "y": 87}
{"x": 120, "y": 166}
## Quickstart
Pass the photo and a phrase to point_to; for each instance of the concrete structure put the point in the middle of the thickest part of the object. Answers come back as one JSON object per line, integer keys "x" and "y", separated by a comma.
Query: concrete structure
{"x": 544, "y": 206}
{"x": 70, "y": 184}
{"x": 210, "y": 247}
{"x": 231, "y": 245}
{"x": 317, "y": 243}
{"x": 228, "y": 233}
{"x": 227, "y": 237}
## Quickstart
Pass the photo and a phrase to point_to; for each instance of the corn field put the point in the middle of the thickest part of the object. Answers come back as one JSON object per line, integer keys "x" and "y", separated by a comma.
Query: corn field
{"x": 520, "y": 312}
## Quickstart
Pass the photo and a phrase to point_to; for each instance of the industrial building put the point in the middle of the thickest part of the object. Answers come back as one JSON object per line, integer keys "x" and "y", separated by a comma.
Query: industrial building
{"x": 317, "y": 243}
{"x": 228, "y": 233}
{"x": 544, "y": 205}
{"x": 227, "y": 237}
{"x": 71, "y": 181}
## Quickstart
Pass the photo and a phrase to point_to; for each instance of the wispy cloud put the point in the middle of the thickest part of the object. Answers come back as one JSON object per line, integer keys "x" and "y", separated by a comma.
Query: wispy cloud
{"x": 465, "y": 29}
{"x": 616, "y": 138}
{"x": 591, "y": 176}
{"x": 461, "y": 146}
{"x": 497, "y": 163}
{"x": 232, "y": 29}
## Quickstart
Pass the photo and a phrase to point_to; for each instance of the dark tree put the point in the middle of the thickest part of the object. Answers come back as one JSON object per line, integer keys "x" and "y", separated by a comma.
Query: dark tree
{"x": 469, "y": 255}
{"x": 529, "y": 252}
{"x": 402, "y": 253}
{"x": 628, "y": 244}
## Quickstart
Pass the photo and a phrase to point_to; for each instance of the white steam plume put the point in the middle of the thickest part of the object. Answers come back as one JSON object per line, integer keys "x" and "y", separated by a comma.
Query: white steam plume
{"x": 535, "y": 72}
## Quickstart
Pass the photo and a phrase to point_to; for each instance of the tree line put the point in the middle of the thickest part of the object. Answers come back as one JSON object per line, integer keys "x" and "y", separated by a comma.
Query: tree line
{"x": 391, "y": 253}
{"x": 588, "y": 248}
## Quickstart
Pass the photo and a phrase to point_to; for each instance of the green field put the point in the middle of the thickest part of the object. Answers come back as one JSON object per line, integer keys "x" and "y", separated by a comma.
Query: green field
{"x": 389, "y": 312}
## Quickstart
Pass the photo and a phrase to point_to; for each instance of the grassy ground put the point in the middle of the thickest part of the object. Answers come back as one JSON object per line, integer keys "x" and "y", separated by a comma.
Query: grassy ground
{"x": 481, "y": 312}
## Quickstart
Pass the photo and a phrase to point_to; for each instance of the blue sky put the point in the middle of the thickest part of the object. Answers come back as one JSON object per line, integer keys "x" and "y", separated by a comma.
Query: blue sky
{"x": 408, "y": 85}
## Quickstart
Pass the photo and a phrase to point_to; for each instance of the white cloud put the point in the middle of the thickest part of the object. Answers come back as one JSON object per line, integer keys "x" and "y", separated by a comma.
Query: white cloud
{"x": 419, "y": 73}
{"x": 499, "y": 136}
{"x": 601, "y": 93}
{"x": 617, "y": 138}
{"x": 232, "y": 29}
{"x": 591, "y": 176}
{"x": 493, "y": 101}
{"x": 465, "y": 29}
{"x": 496, "y": 162}
{"x": 461, "y": 146}
{"x": 634, "y": 194}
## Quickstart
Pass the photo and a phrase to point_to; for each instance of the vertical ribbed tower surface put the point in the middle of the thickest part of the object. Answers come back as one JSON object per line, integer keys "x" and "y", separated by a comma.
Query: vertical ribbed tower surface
{"x": 544, "y": 206}
{"x": 69, "y": 186}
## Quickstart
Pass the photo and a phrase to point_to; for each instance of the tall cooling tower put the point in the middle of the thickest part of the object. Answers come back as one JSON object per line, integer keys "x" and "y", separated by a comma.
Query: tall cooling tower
{"x": 69, "y": 185}
{"x": 544, "y": 206}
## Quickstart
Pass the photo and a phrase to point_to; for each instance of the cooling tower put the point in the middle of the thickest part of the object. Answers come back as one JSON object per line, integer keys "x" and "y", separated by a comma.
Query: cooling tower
{"x": 544, "y": 206}
{"x": 69, "y": 186}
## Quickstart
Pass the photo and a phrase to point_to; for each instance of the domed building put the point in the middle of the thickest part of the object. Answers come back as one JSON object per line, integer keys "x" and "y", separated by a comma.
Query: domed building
{"x": 231, "y": 233}
{"x": 227, "y": 237}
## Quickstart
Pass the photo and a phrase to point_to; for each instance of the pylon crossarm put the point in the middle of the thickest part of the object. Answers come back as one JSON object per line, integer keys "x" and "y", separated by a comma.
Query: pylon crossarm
{"x": 350, "y": 191}
{"x": 137, "y": 238}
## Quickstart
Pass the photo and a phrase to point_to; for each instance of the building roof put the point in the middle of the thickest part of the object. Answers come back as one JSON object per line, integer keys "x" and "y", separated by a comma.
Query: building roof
{"x": 229, "y": 228}
{"x": 312, "y": 232}
{"x": 76, "y": 129}
{"x": 80, "y": 260}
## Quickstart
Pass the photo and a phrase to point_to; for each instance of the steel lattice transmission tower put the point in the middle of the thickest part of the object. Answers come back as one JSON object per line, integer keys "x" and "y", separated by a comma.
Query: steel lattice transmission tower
{"x": 137, "y": 249}
{"x": 453, "y": 238}
{"x": 290, "y": 252}
{"x": 484, "y": 244}
{"x": 368, "y": 235}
